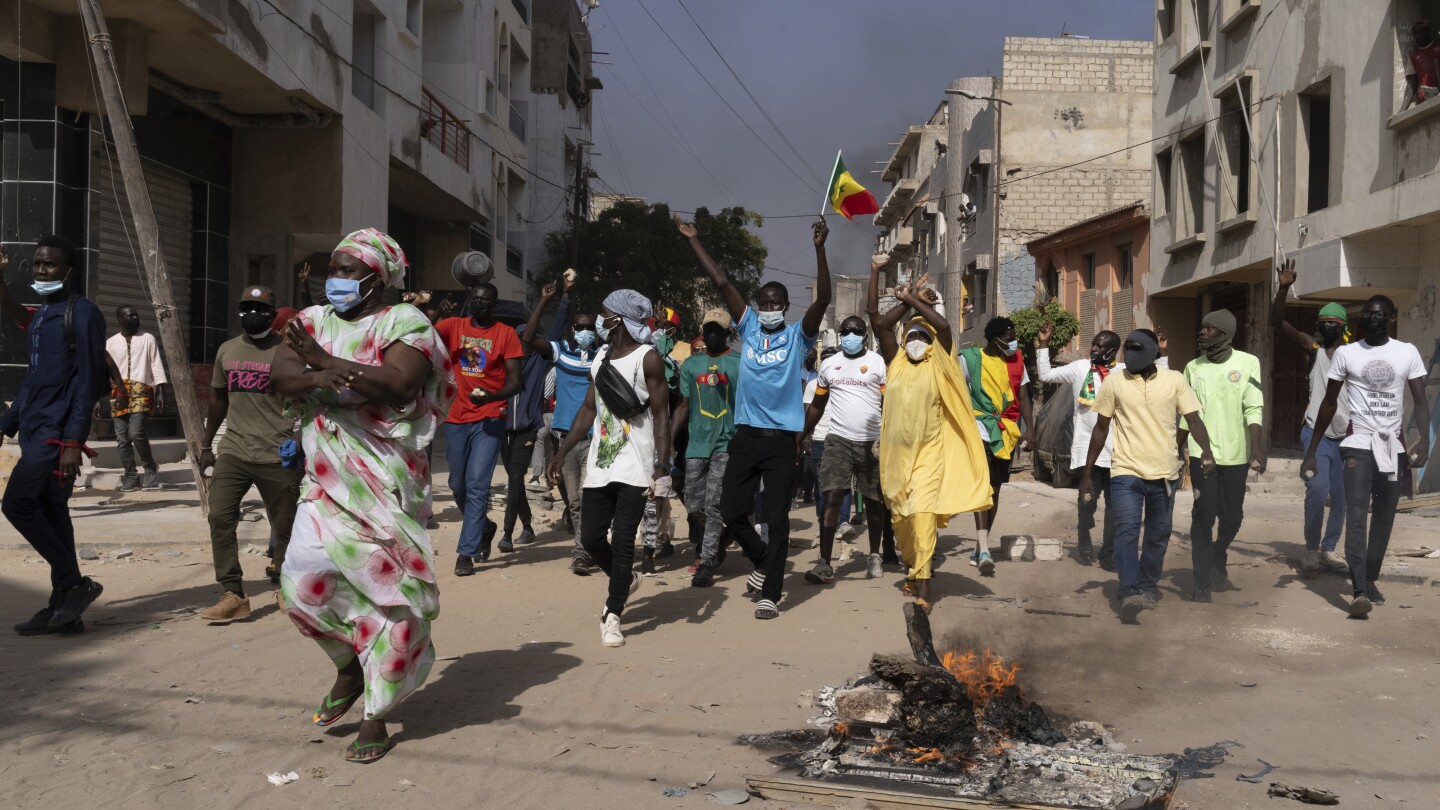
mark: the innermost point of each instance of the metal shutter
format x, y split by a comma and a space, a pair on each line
121, 278
1087, 319
1122, 312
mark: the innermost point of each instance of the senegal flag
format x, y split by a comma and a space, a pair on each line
846, 196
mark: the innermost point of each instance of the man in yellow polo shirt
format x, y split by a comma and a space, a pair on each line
1143, 402
1232, 406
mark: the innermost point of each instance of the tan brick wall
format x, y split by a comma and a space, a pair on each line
1074, 65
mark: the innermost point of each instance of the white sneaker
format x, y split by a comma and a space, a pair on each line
874, 567
1333, 561
610, 634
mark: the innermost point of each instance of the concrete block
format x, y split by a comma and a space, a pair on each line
867, 705
1026, 548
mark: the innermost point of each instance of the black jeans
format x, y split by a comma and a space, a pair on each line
616, 508
515, 453
37, 504
758, 455
1100, 478
1220, 496
1368, 491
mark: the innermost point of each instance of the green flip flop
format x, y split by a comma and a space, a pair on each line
355, 752
326, 704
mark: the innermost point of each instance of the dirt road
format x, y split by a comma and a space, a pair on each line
152, 707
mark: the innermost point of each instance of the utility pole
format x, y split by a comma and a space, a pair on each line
577, 215
172, 338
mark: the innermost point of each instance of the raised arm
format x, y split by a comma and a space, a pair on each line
733, 301
815, 315
1283, 328
923, 299
883, 325
531, 337
1048, 373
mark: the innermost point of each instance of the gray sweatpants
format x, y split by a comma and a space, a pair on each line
572, 473
703, 477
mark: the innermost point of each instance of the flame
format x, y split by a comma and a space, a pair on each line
839, 729
985, 676
923, 755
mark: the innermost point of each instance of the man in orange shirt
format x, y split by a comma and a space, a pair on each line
486, 356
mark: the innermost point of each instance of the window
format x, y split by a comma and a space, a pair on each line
1052, 281
362, 59
1234, 132
1205, 12
976, 186
1165, 19
1165, 201
1419, 64
1190, 215
1313, 151
412, 16
979, 288
481, 240
1125, 267
1087, 271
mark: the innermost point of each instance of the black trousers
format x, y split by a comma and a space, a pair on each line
37, 504
1368, 493
618, 509
1218, 497
758, 455
515, 453
1100, 478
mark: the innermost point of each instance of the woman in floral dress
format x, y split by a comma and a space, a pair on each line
370, 383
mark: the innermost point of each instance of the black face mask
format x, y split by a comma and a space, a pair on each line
1376, 325
716, 342
133, 324
256, 322
1331, 333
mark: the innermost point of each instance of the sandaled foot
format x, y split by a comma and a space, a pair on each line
331, 708
370, 745
924, 605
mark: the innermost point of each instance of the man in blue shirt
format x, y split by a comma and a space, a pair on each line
52, 414
769, 414
572, 355
524, 418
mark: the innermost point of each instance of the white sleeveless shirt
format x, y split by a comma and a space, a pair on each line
621, 451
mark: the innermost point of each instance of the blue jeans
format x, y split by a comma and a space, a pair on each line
471, 449
1140, 564
1329, 482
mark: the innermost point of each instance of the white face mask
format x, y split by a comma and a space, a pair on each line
1012, 347
770, 320
917, 349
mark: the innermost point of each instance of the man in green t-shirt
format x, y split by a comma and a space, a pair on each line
1232, 406
255, 426
707, 383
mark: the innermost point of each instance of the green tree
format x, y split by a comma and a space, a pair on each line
635, 245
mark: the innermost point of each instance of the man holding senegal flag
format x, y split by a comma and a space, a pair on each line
846, 196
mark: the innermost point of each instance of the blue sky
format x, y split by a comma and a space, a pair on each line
833, 74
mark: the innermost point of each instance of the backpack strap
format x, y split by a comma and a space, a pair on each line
70, 326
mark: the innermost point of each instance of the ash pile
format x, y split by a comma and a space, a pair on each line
959, 725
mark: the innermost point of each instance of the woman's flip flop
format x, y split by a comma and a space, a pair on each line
326, 704
355, 752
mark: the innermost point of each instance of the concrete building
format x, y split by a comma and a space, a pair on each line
1097, 269
1286, 128
268, 131
1038, 149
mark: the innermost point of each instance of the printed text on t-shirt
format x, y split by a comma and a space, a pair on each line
247, 377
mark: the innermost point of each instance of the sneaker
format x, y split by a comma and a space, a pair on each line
128, 483
273, 573
1131, 606
527, 537
39, 625
231, 607
754, 583
1333, 561
580, 566
1310, 562
76, 600
846, 530
821, 574
1149, 600
464, 566
765, 609
152, 480
647, 563
975, 557
874, 567
1373, 594
986, 564
506, 545
704, 575
664, 549
890, 558
1201, 595
1360, 607
610, 634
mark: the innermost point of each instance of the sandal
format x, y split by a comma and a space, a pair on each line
355, 752
909, 588
924, 605
326, 704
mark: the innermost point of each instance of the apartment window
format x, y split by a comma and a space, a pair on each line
1234, 131
1313, 151
1165, 19
362, 59
412, 16
1087, 271
1205, 13
1416, 63
1052, 282
1165, 201
976, 182
481, 240
1125, 267
1190, 216
979, 288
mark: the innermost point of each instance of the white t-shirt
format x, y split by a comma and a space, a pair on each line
621, 451
1375, 379
1074, 374
822, 427
855, 385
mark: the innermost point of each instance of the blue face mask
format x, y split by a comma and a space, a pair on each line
771, 320
47, 288
852, 344
584, 338
344, 293
1011, 348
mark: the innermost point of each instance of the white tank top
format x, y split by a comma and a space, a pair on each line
621, 451
1319, 381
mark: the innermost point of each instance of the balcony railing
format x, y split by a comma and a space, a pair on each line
440, 127
517, 119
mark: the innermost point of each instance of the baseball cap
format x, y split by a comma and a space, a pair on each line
258, 293
716, 316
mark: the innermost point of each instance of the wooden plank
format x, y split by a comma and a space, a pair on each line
836, 794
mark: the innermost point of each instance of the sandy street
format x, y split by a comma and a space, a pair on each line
151, 707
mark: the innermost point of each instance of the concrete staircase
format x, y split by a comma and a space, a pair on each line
1281, 478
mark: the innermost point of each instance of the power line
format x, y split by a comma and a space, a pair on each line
614, 145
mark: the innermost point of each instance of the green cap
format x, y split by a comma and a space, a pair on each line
1334, 312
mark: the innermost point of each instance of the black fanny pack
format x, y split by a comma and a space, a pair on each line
617, 392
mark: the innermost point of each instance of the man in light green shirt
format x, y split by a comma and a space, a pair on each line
1232, 406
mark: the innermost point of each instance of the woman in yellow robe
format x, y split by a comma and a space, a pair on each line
932, 464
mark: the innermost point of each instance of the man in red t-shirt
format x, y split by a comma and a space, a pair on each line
486, 356
1423, 76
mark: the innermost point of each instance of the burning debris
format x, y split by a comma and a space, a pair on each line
958, 726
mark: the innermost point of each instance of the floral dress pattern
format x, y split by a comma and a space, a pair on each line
359, 576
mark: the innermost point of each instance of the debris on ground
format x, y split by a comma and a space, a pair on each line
675, 792
1255, 779
277, 779
730, 797
1300, 793
122, 553
88, 554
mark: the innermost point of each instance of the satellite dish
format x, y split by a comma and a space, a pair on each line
472, 268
